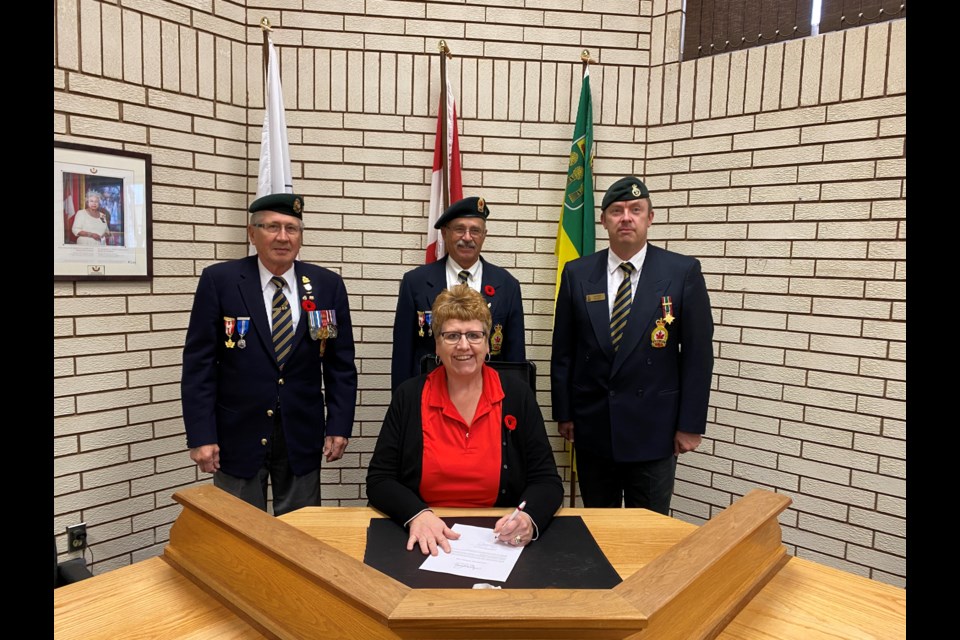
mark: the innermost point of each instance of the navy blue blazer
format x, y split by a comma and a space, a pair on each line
420, 287
627, 405
229, 395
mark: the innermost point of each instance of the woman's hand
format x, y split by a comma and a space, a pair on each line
518, 532
429, 531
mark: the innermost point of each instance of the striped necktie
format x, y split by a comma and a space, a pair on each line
463, 276
282, 323
621, 306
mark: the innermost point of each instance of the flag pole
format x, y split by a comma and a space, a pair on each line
444, 54
266, 29
586, 60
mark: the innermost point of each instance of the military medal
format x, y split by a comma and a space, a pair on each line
421, 318
658, 339
333, 328
328, 324
243, 326
323, 346
228, 326
496, 340
313, 320
427, 314
667, 303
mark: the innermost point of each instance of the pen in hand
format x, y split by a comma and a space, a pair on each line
512, 517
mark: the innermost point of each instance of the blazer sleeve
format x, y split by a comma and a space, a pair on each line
393, 473
198, 381
340, 369
563, 350
696, 352
402, 366
544, 489
515, 340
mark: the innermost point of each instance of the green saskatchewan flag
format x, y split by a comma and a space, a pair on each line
575, 233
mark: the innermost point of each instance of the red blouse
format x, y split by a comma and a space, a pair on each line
461, 464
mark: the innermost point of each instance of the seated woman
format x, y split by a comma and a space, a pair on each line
462, 436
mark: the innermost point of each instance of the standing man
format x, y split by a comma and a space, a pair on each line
464, 228
269, 340
632, 358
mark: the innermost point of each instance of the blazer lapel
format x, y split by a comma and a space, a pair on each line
490, 279
435, 281
252, 294
595, 288
301, 329
646, 304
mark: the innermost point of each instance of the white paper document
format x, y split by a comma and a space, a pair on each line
475, 555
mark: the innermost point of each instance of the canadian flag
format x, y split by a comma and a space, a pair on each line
72, 191
451, 146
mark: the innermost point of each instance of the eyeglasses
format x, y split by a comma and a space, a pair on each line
461, 230
274, 228
453, 337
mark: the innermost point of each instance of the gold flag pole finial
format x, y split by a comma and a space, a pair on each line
444, 49
265, 24
585, 57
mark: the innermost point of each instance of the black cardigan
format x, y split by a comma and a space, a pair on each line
528, 472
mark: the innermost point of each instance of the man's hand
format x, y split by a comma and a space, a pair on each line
683, 442
566, 429
207, 457
333, 447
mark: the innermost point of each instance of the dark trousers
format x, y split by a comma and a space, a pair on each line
290, 492
606, 483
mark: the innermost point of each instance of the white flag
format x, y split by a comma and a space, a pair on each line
275, 174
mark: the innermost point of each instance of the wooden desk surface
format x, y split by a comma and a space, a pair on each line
804, 601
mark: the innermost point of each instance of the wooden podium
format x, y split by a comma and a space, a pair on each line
233, 571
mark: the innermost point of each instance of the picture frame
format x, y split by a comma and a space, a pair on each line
102, 224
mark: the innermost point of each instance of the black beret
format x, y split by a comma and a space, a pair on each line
287, 203
628, 188
472, 207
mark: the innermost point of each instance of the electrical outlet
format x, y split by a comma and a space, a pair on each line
77, 537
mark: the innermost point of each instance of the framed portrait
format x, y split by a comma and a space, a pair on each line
101, 214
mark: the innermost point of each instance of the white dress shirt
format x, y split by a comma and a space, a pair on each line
474, 279
290, 291
615, 275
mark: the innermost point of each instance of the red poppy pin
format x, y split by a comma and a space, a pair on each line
489, 290
510, 421
308, 305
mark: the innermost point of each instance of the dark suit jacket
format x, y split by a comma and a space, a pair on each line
227, 393
420, 287
529, 471
627, 405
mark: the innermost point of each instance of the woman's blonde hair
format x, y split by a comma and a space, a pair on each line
459, 303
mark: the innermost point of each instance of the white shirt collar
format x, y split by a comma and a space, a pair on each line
290, 276
454, 269
613, 260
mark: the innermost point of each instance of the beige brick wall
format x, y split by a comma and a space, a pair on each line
782, 168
